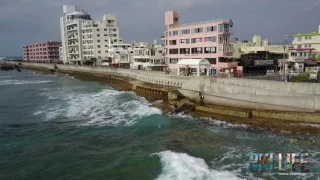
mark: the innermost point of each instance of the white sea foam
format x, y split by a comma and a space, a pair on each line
311, 125
211, 121
20, 82
104, 108
181, 166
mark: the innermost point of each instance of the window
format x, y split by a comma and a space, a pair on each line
105, 29
184, 50
212, 60
211, 28
99, 57
221, 26
174, 33
99, 52
299, 46
105, 34
299, 38
306, 37
98, 35
184, 41
210, 39
209, 50
196, 40
306, 45
170, 33
98, 46
310, 37
197, 30
173, 51
105, 40
98, 40
172, 42
186, 31
197, 50
98, 29
309, 45
173, 60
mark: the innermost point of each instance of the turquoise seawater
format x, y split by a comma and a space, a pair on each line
58, 127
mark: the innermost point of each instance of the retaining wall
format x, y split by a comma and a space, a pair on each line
254, 94
156, 78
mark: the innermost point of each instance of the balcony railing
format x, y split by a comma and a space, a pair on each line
297, 59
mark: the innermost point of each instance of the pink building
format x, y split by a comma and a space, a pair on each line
203, 40
42, 52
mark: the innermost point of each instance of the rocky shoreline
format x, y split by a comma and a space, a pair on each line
259, 125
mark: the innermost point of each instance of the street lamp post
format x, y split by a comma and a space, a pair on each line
284, 56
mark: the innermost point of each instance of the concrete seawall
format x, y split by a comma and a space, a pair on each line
255, 94
242, 93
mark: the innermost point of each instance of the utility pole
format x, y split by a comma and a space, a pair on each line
284, 56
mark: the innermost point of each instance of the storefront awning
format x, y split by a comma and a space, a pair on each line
310, 62
193, 62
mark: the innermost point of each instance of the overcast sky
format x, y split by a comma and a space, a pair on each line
29, 21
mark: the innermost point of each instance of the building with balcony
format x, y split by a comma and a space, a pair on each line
118, 55
61, 54
148, 56
306, 47
42, 52
84, 38
202, 40
257, 45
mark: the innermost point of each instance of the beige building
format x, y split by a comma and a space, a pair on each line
257, 44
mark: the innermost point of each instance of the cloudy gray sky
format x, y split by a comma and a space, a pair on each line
29, 21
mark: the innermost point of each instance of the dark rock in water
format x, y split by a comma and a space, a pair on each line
52, 70
9, 67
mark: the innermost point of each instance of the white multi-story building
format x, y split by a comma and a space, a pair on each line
60, 53
83, 38
118, 55
148, 56
306, 47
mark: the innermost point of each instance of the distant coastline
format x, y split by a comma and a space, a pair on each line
12, 57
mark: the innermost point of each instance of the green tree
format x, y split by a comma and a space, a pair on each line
94, 61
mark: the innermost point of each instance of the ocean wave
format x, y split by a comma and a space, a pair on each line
181, 166
21, 82
213, 122
104, 108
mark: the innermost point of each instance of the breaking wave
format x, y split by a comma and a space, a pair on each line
20, 82
181, 166
213, 122
106, 107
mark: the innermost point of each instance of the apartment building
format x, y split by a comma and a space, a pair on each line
201, 40
118, 55
84, 38
148, 56
42, 52
306, 47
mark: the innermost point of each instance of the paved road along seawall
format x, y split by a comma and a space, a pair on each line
234, 92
